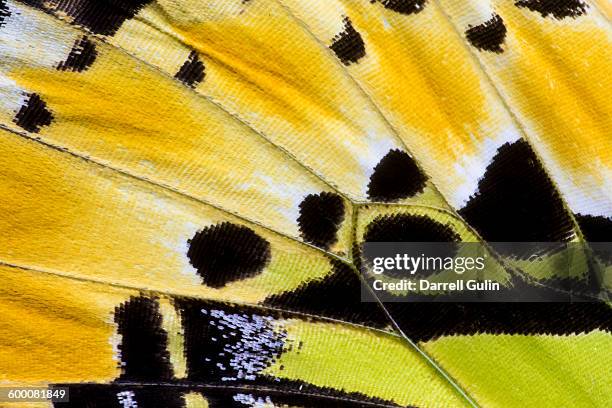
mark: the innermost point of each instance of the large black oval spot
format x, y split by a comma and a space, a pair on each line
396, 176
409, 228
320, 217
348, 44
412, 228
403, 6
516, 200
228, 252
559, 9
488, 36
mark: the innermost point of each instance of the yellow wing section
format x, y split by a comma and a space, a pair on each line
122, 113
552, 70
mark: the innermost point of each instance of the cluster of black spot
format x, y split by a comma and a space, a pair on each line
99, 16
320, 217
403, 6
348, 44
559, 9
488, 36
143, 347
82, 55
227, 252
516, 200
33, 114
191, 72
396, 176
5, 13
337, 296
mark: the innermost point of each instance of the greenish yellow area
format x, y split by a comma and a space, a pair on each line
530, 371
357, 359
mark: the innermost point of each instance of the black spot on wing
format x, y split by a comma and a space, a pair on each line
320, 216
82, 55
403, 6
33, 114
559, 9
396, 176
191, 72
337, 296
5, 13
227, 252
516, 200
348, 44
99, 16
488, 36
408, 228
143, 341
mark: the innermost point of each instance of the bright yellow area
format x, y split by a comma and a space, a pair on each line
64, 215
557, 74
133, 117
534, 371
283, 82
356, 359
554, 76
56, 330
426, 83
